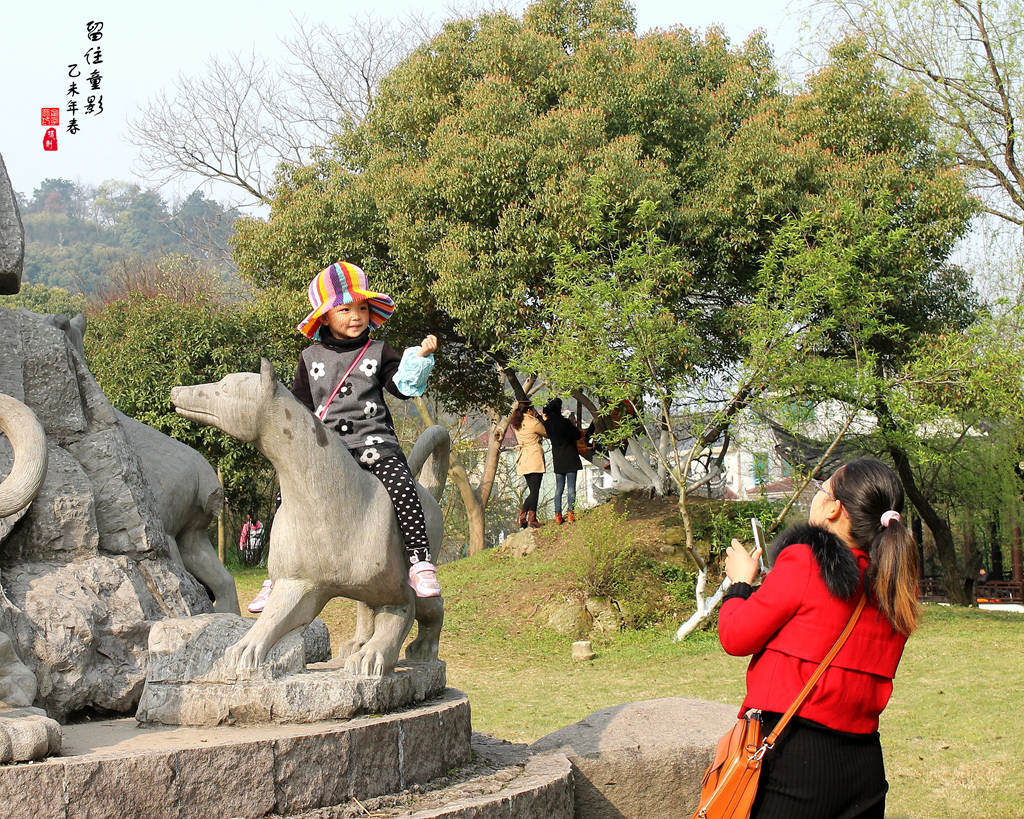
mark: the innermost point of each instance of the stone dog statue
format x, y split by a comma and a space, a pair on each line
335, 534
186, 489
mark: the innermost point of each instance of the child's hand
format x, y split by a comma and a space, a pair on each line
428, 345
739, 566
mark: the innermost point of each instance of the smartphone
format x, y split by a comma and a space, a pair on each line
755, 527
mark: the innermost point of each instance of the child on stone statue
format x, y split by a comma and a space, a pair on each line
341, 378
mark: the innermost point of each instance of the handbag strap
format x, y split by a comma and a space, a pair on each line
344, 378
774, 735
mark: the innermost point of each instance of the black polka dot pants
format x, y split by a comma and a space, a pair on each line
394, 473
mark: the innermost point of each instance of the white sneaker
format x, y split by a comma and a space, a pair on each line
423, 579
260, 600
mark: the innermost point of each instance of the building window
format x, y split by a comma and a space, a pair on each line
760, 468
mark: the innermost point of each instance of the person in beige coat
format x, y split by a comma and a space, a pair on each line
529, 429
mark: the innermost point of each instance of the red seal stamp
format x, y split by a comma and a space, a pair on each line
50, 140
50, 116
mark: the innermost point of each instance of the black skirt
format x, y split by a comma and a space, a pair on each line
814, 772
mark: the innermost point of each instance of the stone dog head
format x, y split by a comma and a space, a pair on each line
237, 404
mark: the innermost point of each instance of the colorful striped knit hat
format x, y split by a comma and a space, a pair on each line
343, 283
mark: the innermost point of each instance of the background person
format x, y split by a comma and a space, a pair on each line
526, 424
565, 457
250, 541
828, 760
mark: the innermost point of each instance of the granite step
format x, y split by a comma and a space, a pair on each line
504, 781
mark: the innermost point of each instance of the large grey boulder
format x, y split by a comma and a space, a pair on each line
12, 236
17, 682
86, 568
641, 759
188, 498
187, 491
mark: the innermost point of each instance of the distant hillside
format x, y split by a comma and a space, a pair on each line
78, 237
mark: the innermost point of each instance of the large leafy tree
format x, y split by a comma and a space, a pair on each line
140, 346
481, 152
928, 394
486, 150
853, 306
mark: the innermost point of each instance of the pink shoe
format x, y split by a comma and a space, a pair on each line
260, 600
423, 579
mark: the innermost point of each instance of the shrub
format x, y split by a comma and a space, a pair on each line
716, 523
605, 562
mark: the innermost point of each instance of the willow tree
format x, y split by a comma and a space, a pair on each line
853, 304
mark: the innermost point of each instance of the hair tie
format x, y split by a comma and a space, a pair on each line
889, 517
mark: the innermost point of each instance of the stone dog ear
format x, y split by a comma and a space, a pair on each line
268, 381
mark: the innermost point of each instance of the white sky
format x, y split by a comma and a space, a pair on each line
144, 46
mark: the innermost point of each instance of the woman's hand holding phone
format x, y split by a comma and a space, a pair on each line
741, 567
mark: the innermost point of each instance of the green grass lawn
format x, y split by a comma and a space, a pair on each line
952, 734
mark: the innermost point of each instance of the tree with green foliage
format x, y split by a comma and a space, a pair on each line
853, 302
57, 196
80, 238
45, 300
923, 377
139, 347
476, 162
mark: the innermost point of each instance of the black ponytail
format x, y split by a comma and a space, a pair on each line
868, 489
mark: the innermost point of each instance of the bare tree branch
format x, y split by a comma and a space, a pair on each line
968, 58
242, 117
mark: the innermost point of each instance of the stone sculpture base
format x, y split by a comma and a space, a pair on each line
321, 692
188, 682
117, 768
634, 761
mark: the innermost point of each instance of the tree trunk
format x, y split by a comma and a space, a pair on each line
474, 508
945, 547
1015, 554
626, 475
221, 534
704, 607
995, 553
918, 531
473, 500
972, 560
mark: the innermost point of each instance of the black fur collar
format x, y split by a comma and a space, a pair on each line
836, 562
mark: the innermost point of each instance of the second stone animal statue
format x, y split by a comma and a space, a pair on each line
187, 491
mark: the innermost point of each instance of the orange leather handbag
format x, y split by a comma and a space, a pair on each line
729, 785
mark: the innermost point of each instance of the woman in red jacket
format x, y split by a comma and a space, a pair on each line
828, 762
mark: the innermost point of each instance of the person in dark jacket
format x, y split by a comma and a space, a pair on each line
828, 761
565, 458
